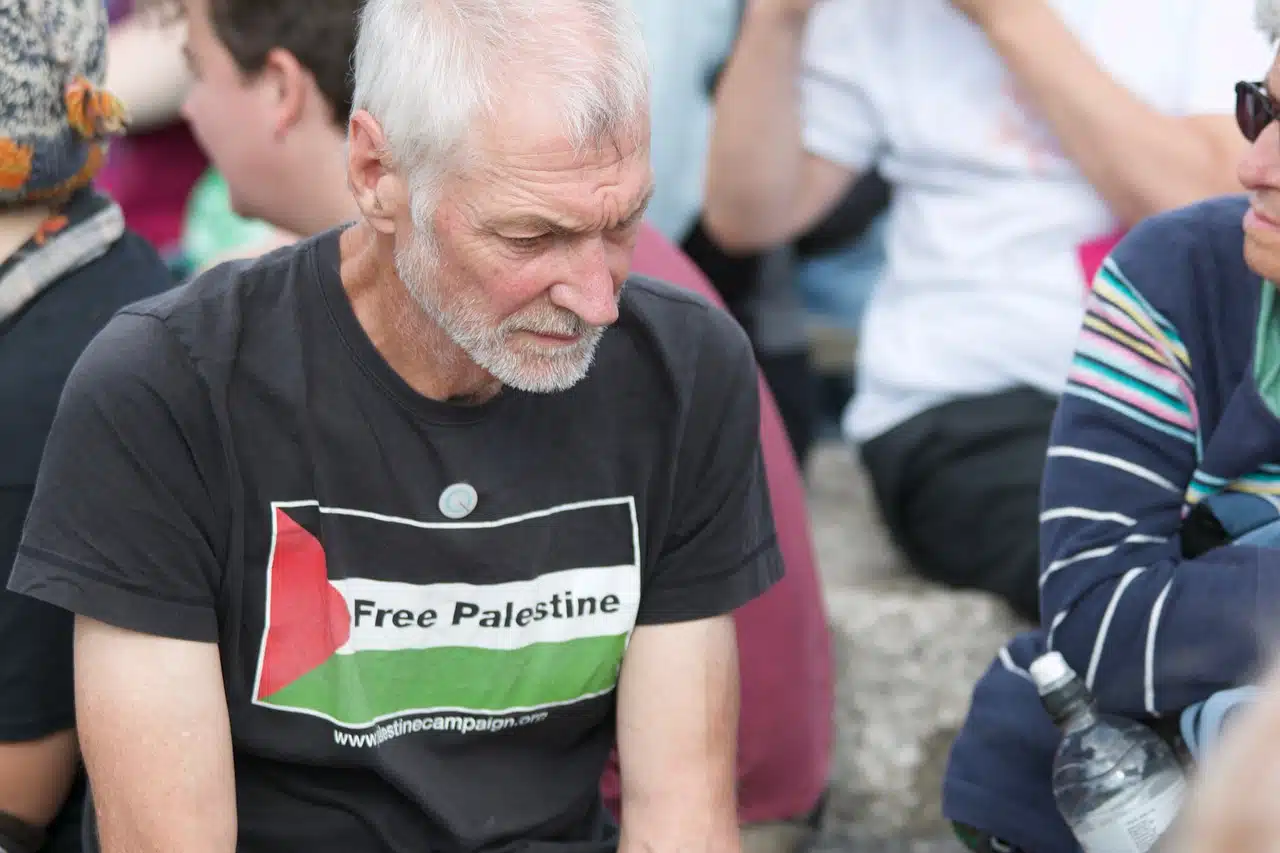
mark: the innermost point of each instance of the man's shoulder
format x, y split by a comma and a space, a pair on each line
667, 308
211, 315
171, 338
225, 286
683, 329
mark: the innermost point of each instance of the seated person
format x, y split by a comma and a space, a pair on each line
1015, 134
785, 730
1160, 579
384, 524
67, 263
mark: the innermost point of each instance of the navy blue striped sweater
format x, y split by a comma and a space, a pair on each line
1160, 412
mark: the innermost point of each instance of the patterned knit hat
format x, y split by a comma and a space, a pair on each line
54, 122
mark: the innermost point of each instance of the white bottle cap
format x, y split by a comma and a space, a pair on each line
1050, 671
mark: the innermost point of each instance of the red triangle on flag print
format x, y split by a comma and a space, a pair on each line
307, 618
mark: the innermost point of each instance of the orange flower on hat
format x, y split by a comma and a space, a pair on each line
15, 165
93, 112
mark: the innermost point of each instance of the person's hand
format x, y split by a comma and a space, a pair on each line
1235, 799
793, 11
985, 12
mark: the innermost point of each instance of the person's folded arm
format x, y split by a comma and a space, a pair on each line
1151, 632
156, 739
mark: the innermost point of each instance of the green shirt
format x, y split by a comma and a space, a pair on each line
212, 228
1266, 350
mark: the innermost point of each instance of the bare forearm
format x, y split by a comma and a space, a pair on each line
676, 747
757, 154
723, 840
145, 69
688, 812
156, 739
189, 829
162, 793
1138, 159
186, 803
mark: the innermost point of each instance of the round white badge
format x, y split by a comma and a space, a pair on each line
458, 500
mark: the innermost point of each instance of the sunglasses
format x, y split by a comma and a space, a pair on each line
1255, 109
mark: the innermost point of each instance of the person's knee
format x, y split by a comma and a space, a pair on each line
981, 542
776, 837
977, 841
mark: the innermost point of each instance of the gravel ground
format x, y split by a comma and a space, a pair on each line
840, 842
907, 655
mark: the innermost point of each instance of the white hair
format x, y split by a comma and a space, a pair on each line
1267, 16
429, 70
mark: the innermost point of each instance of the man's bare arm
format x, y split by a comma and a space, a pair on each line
1138, 159
763, 188
153, 724
677, 738
146, 70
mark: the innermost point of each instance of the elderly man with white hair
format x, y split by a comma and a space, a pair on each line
1160, 529
375, 543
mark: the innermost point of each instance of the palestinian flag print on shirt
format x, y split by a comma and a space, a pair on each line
408, 637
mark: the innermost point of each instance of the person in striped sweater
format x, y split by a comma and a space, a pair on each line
1160, 568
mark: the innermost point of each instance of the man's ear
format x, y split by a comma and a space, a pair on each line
379, 192
290, 86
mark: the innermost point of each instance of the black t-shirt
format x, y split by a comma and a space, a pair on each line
38, 348
421, 607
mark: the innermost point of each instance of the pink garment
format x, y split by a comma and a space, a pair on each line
784, 734
151, 176
1093, 253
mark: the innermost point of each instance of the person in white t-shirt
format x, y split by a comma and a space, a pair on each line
1020, 137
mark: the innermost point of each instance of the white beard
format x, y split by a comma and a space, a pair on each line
518, 364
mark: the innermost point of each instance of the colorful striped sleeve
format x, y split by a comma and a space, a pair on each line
1152, 632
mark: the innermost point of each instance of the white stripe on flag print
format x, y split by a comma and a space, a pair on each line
552, 608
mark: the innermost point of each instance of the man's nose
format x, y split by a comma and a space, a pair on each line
588, 288
1260, 167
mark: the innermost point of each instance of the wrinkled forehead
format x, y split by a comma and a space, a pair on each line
531, 147
558, 190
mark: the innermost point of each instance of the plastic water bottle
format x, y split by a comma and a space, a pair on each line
1117, 784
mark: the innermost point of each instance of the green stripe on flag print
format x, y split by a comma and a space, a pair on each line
366, 687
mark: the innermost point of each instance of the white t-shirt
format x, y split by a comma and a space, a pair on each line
983, 288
